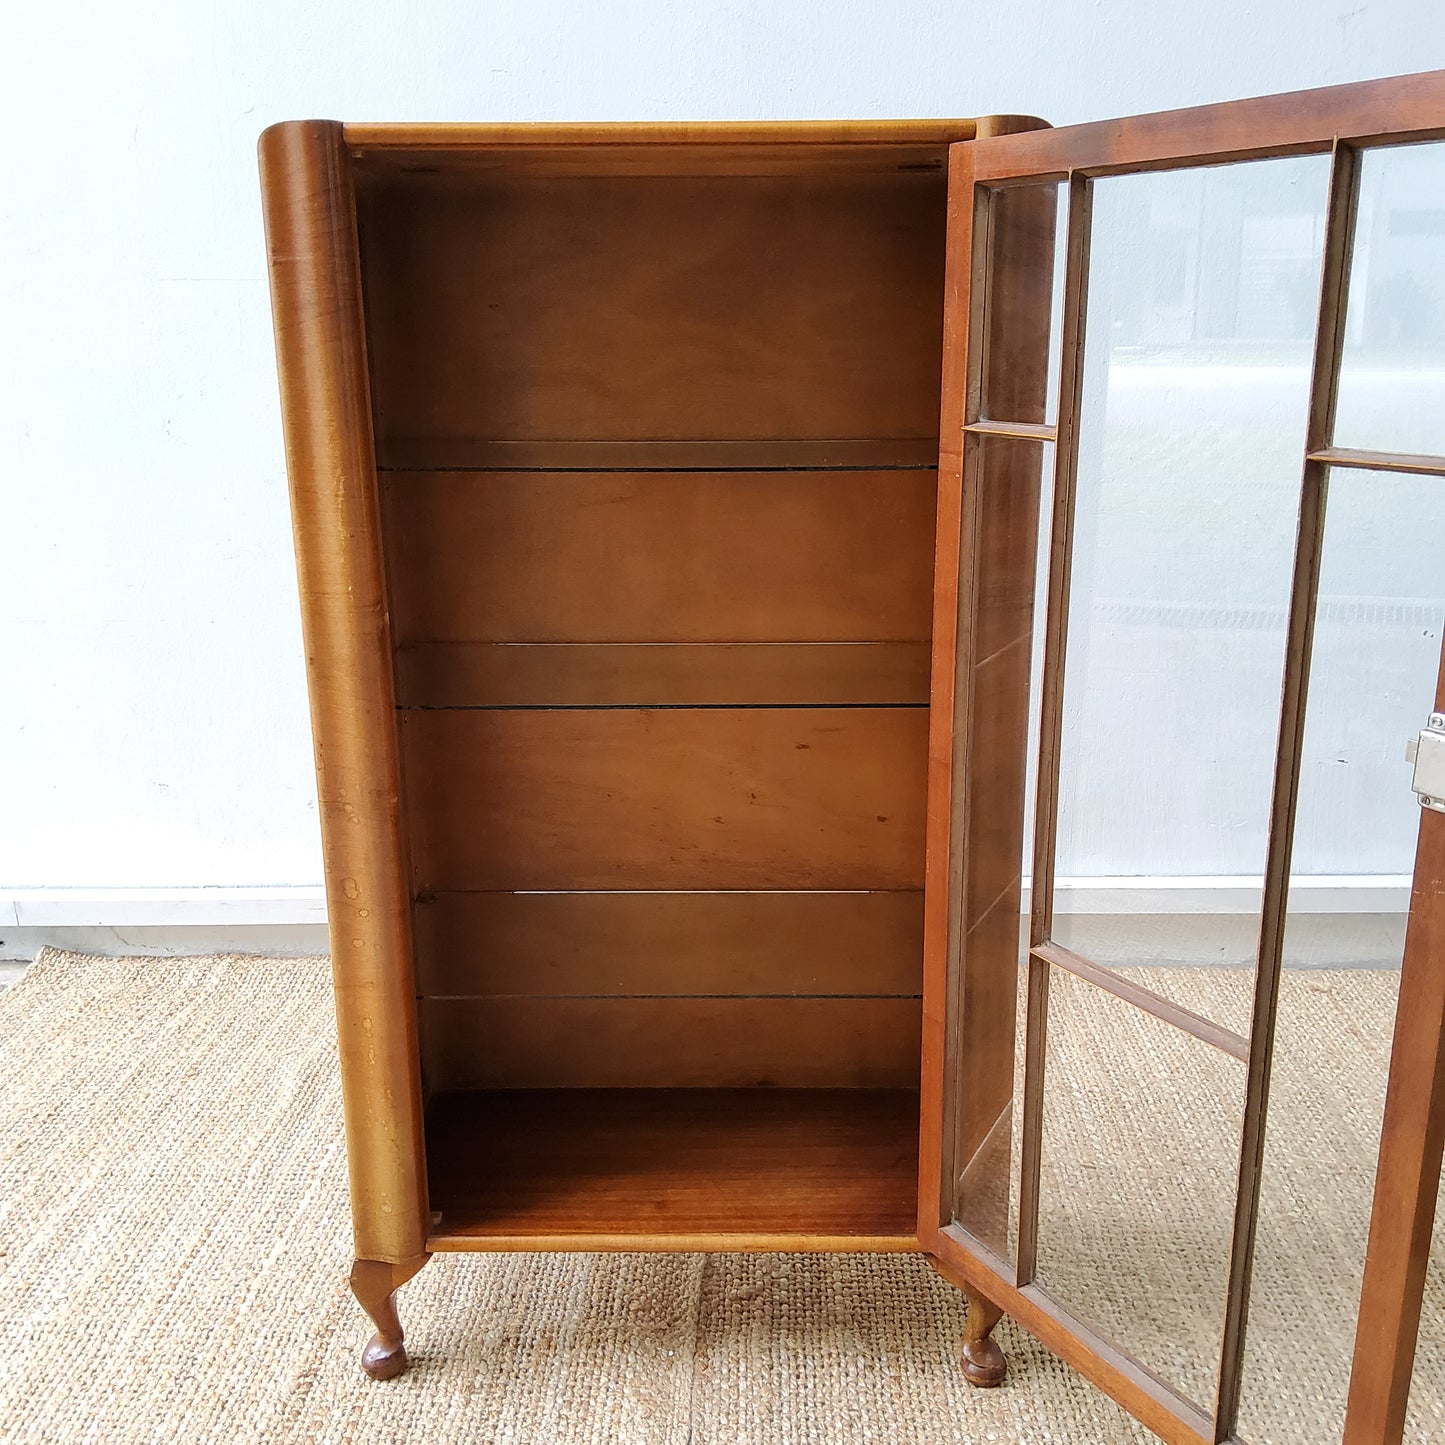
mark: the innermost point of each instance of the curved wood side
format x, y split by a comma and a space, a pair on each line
321, 356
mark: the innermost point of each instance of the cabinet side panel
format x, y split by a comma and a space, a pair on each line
315, 296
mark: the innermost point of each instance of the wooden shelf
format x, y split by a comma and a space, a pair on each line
668, 1169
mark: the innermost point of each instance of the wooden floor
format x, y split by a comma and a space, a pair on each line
693, 1169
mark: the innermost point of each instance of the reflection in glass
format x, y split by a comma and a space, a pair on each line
1372, 683
1012, 589
1392, 378
1198, 350
1027, 240
1056, 305
1140, 1151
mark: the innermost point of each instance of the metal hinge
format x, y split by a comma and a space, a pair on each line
1427, 752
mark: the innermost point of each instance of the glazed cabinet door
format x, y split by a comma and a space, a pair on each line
1183, 1093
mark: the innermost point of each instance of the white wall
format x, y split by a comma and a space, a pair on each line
153, 726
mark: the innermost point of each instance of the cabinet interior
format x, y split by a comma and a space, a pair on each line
656, 430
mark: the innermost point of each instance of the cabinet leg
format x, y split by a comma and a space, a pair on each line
983, 1361
374, 1282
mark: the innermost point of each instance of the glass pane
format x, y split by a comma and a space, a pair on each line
1017, 487
1372, 684
1021, 338
1196, 381
1056, 306
1140, 1152
1392, 379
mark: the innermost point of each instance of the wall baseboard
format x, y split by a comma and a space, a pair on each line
169, 922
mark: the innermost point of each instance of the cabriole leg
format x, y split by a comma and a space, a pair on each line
983, 1361
374, 1282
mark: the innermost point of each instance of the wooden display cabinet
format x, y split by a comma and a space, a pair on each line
669, 673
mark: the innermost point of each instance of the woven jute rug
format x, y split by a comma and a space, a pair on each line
174, 1244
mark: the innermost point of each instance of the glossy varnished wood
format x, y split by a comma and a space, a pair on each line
1375, 112
828, 798
684, 308
1339, 241
696, 455
316, 302
1407, 1180
1407, 107
652, 557
1412, 464
660, 1042
978, 1272
709, 300
1128, 989
375, 1282
983, 1361
652, 674
709, 136
677, 944
989, 490
675, 1169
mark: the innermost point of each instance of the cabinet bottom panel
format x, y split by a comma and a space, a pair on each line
674, 1169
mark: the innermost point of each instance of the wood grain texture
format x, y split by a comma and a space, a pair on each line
1020, 264
645, 161
828, 798
315, 298
697, 455
669, 943
1329, 341
989, 492
712, 674
652, 1043
1175, 1420
937, 1169
684, 308
778, 556
675, 1169
798, 148
1412, 464
707, 136
1073, 329
1412, 1143
1122, 986
1408, 107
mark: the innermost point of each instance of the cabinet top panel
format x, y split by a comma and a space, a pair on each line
481, 134
689, 148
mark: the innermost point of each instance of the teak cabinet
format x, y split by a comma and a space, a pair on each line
666, 504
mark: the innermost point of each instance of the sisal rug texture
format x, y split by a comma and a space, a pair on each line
174, 1241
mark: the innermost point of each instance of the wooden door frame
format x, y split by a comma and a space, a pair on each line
969, 1039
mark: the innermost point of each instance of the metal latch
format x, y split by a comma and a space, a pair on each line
1427, 752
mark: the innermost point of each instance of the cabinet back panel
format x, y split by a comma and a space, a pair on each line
668, 308
619, 1043
619, 674
779, 556
657, 510
616, 944
828, 798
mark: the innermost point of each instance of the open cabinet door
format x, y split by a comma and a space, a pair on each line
1193, 366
